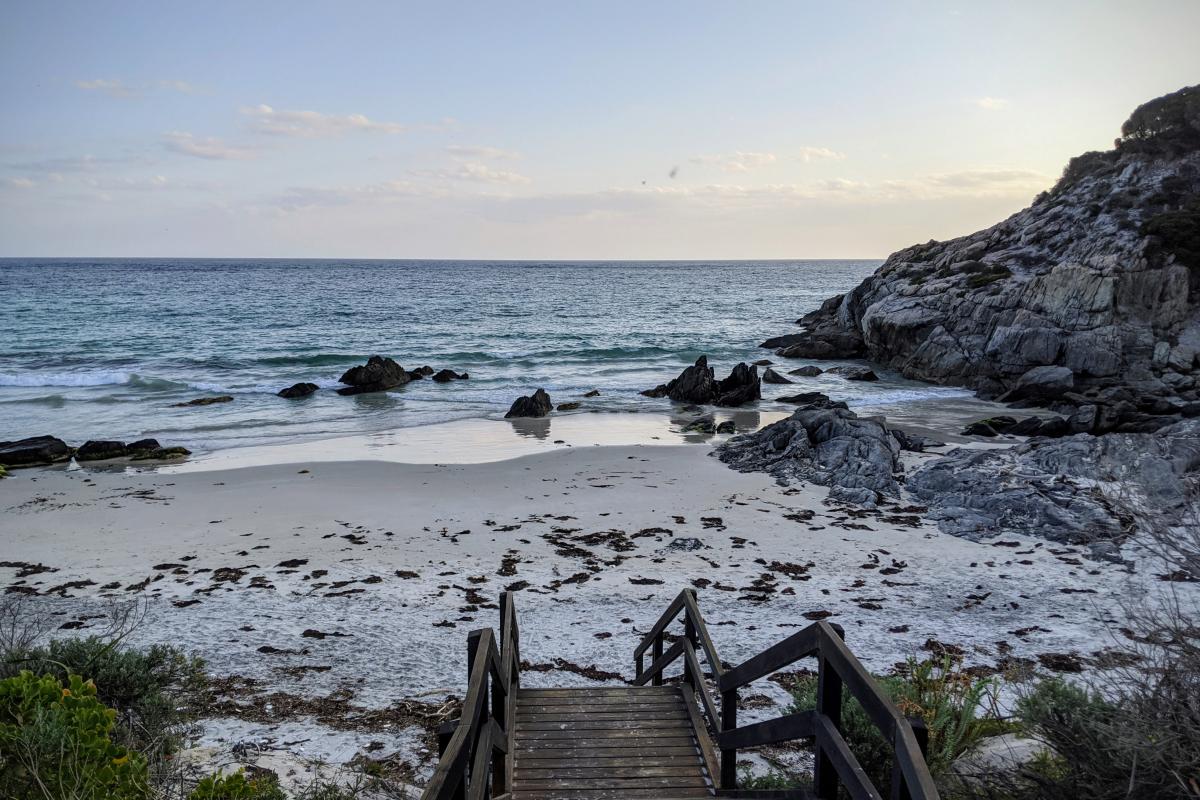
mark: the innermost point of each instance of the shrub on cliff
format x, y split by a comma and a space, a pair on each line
1175, 113
55, 744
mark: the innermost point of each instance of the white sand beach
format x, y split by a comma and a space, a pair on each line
359, 579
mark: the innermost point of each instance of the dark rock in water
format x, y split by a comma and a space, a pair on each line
702, 425
806, 372
771, 376
299, 390
424, 371
96, 450
1075, 489
698, 384
162, 454
726, 427
812, 400
592, 393
377, 375
447, 375
783, 341
535, 405
827, 446
568, 406
205, 401
763, 362
414, 375
34, 451
142, 446
854, 373
1026, 427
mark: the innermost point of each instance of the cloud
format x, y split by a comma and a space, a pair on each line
736, 161
313, 124
209, 148
474, 171
991, 103
807, 154
494, 153
112, 88
182, 87
153, 183
75, 164
19, 183
297, 198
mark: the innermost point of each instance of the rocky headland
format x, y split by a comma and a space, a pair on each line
1086, 303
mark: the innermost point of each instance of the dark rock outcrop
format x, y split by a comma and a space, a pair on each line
698, 384
592, 393
571, 406
809, 371
34, 452
142, 446
100, 450
298, 390
377, 375
812, 400
771, 376
447, 375
536, 405
1077, 489
161, 454
858, 458
1095, 285
854, 373
205, 401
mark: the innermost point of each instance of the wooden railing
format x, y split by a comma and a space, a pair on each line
837, 669
476, 751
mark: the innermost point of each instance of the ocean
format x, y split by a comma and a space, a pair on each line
103, 348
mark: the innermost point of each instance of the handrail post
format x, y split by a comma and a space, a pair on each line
829, 703
655, 654
729, 702
900, 788
473, 655
689, 633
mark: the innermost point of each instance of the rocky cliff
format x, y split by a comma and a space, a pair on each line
1090, 296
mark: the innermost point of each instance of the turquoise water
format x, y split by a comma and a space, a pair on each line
103, 348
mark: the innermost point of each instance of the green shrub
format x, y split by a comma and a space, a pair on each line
236, 786
150, 690
939, 692
55, 744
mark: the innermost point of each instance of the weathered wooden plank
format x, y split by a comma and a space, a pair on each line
628, 706
597, 691
533, 751
581, 759
635, 732
575, 741
612, 794
658, 726
681, 781
569, 771
604, 712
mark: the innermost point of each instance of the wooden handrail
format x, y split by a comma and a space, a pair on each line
838, 669
476, 757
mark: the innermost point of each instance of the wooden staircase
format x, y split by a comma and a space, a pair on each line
661, 740
606, 743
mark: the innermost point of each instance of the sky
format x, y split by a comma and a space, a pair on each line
556, 130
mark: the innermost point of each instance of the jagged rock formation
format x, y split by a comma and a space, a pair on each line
1093, 287
536, 405
698, 384
377, 375
34, 451
298, 390
1079, 489
826, 445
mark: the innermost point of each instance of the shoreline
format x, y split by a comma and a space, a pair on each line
350, 579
